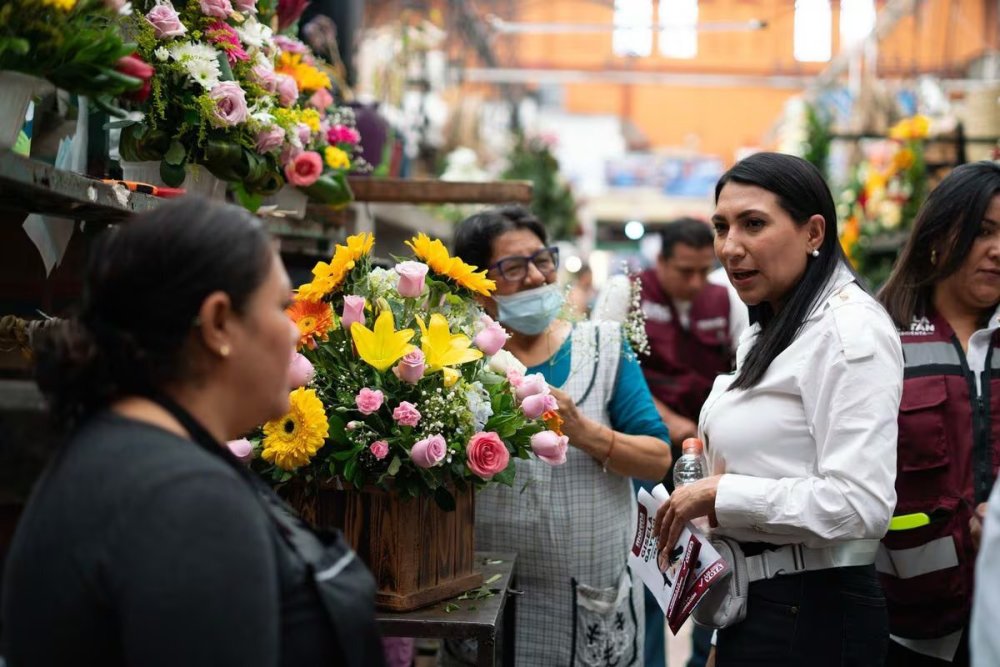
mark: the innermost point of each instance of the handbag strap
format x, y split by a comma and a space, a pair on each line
795, 558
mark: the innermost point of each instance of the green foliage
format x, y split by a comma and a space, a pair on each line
818, 138
553, 202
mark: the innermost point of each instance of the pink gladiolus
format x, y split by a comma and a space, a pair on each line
411, 367
354, 311
531, 385
411, 278
492, 337
406, 414
341, 134
369, 401
300, 372
321, 100
288, 90
230, 104
550, 447
165, 22
536, 405
429, 452
304, 169
486, 454
218, 8
270, 139
379, 449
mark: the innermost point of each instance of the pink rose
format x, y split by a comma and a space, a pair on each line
369, 401
341, 134
289, 44
246, 6
515, 377
492, 337
300, 372
270, 139
218, 8
321, 100
536, 405
379, 449
411, 367
486, 455
288, 90
241, 449
304, 169
531, 385
289, 153
304, 133
263, 75
411, 278
354, 311
230, 104
550, 447
165, 22
406, 414
429, 452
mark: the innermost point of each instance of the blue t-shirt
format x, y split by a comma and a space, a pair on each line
631, 407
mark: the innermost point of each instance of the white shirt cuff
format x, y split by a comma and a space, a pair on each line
741, 501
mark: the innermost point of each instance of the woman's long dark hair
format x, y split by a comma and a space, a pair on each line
946, 224
802, 193
474, 236
145, 282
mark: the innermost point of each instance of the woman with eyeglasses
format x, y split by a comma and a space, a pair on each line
569, 524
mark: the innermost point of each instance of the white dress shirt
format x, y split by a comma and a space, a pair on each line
809, 454
984, 641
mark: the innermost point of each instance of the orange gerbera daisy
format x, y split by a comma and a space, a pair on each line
314, 320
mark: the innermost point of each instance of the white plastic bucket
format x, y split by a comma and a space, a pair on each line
18, 90
197, 179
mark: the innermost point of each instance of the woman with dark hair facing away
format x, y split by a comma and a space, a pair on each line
943, 294
145, 542
571, 524
801, 437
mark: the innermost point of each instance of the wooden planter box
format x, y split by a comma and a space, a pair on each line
419, 553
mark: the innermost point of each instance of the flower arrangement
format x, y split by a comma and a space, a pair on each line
403, 382
252, 107
884, 196
75, 44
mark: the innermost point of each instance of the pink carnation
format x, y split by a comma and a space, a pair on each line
341, 134
304, 169
379, 449
369, 401
406, 414
226, 38
486, 455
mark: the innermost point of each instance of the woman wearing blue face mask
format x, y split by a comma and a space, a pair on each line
571, 524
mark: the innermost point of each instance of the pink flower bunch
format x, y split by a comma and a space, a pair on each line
342, 134
226, 38
533, 394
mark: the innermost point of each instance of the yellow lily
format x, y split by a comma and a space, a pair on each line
442, 348
382, 347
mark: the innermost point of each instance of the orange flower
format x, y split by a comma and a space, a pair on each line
553, 421
314, 320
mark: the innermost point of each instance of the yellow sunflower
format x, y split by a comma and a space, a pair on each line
360, 245
327, 276
308, 78
435, 255
313, 318
292, 441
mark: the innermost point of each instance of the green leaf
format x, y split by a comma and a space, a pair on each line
176, 155
172, 175
394, 466
337, 431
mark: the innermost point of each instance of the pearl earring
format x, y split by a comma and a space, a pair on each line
815, 252
224, 350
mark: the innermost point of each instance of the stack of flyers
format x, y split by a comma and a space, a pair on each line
692, 564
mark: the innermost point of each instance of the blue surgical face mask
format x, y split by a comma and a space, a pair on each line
531, 311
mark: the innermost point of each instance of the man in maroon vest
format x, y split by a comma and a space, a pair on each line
689, 326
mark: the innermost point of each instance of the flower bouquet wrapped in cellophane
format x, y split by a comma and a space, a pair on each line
405, 385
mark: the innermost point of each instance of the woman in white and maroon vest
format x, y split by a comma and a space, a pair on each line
943, 295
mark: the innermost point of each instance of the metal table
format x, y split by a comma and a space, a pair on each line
469, 618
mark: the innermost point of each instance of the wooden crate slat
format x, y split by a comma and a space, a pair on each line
428, 191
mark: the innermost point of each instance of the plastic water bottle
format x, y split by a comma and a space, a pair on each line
690, 467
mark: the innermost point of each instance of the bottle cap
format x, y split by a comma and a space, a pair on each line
692, 444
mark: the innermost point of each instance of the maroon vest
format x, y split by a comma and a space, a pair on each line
947, 459
683, 363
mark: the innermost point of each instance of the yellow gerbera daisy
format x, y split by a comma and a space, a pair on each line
336, 158
308, 78
313, 318
292, 441
435, 255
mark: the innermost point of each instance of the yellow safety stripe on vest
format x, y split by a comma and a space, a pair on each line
909, 521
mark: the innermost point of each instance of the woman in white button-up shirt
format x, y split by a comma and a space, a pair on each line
802, 436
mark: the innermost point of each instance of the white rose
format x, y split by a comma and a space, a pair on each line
503, 361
